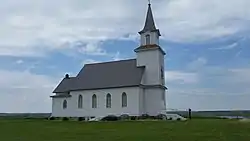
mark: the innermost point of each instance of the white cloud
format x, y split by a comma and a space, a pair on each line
19, 61
198, 63
25, 92
199, 20
89, 61
181, 77
240, 75
228, 47
211, 89
92, 48
28, 25
202, 99
117, 56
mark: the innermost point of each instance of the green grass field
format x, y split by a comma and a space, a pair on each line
194, 130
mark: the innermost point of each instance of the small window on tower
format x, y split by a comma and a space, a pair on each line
147, 39
162, 73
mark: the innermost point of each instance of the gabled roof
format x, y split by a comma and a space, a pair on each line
149, 23
64, 85
114, 74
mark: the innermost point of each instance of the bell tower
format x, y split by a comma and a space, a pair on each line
150, 55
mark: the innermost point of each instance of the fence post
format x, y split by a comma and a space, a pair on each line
189, 113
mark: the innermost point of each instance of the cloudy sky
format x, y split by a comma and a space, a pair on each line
207, 45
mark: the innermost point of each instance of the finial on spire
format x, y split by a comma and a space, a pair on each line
149, 2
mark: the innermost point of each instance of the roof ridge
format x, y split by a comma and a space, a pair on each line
107, 62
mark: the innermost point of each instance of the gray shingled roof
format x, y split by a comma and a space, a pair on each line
114, 74
149, 23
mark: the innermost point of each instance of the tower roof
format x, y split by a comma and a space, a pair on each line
149, 23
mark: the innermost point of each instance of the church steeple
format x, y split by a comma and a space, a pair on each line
149, 25
150, 55
149, 34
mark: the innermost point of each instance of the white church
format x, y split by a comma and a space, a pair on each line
134, 86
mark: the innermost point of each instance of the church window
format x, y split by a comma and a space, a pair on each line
108, 101
94, 101
147, 39
162, 72
80, 101
64, 104
124, 99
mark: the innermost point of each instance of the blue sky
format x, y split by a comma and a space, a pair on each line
207, 46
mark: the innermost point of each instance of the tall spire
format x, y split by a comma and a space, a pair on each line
149, 23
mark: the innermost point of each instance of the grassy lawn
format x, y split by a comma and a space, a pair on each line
195, 130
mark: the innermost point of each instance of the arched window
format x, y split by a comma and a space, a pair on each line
108, 101
94, 101
147, 39
124, 99
64, 104
80, 101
